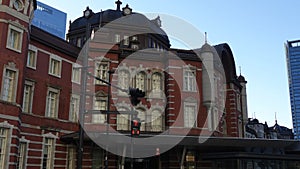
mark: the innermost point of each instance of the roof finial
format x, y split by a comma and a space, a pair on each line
275, 117
205, 37
240, 70
118, 2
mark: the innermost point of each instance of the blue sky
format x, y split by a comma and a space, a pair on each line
255, 30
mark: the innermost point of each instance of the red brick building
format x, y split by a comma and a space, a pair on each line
40, 94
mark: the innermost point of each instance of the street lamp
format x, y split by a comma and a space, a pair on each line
87, 14
108, 114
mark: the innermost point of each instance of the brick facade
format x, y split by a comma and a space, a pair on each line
34, 127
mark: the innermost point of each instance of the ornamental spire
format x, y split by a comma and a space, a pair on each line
118, 2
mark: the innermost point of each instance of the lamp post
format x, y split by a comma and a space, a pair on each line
108, 115
82, 108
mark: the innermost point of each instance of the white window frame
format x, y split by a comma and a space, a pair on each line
14, 85
8, 42
139, 81
186, 113
54, 114
79, 42
30, 98
71, 157
104, 76
23, 153
74, 112
155, 126
55, 58
51, 153
157, 92
34, 50
122, 82
117, 38
6, 146
189, 81
76, 73
99, 118
123, 120
126, 40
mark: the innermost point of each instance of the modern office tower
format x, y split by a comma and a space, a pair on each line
293, 66
50, 20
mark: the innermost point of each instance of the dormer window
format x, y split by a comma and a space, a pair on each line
135, 47
134, 38
117, 38
126, 40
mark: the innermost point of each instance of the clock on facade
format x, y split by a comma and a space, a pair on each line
127, 10
87, 12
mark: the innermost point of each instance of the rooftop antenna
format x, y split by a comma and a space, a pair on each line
205, 37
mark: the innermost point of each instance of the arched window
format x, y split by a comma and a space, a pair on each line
157, 84
140, 81
101, 71
123, 80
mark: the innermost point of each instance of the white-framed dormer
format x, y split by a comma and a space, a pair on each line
55, 65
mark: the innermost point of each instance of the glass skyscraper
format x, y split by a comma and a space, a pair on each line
50, 19
293, 66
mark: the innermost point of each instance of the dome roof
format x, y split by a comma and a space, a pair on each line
206, 48
242, 78
107, 16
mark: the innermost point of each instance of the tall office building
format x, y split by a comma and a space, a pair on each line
293, 66
50, 20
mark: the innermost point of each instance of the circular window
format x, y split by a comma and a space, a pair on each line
18, 5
